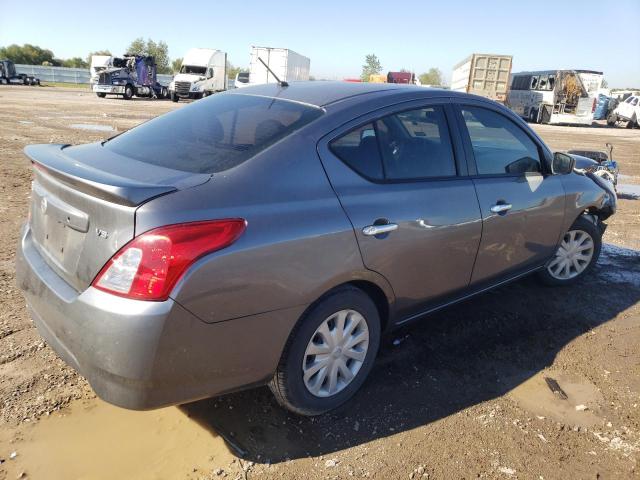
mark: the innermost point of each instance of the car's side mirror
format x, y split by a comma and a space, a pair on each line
562, 163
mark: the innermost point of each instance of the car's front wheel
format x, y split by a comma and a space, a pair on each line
329, 354
576, 255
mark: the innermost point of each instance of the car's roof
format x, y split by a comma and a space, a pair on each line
323, 93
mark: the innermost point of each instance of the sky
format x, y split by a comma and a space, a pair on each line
336, 35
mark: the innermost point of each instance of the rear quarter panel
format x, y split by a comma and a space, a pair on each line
298, 243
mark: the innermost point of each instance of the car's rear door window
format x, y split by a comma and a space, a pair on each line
410, 145
359, 150
215, 134
416, 144
499, 145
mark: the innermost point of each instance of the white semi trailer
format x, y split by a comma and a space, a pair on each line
203, 72
286, 64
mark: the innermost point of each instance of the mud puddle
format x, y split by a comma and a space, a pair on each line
93, 440
93, 127
572, 401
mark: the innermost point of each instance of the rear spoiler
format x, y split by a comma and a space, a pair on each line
51, 160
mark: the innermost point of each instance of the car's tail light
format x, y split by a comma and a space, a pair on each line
593, 107
148, 267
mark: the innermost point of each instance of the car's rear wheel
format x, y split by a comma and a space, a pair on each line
101, 95
329, 354
576, 255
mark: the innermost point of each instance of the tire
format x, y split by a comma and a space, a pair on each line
288, 385
612, 119
533, 115
128, 92
101, 95
163, 93
577, 240
174, 97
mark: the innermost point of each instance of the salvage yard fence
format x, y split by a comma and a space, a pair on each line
79, 76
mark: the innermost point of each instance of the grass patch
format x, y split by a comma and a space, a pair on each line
83, 86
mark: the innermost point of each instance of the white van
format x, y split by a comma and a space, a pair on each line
203, 72
555, 96
242, 80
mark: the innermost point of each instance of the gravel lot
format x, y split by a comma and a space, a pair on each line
459, 395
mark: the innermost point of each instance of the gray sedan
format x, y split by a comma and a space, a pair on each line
270, 235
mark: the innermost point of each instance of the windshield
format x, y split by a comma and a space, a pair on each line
215, 134
193, 69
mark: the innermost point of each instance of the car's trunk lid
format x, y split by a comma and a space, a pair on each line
84, 201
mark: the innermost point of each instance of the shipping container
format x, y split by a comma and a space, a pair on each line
375, 78
401, 77
486, 75
287, 65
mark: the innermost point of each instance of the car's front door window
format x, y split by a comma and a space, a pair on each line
499, 146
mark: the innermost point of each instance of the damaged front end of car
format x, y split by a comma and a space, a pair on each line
598, 162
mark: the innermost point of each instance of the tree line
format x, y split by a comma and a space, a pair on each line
33, 55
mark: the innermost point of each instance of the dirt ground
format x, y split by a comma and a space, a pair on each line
461, 394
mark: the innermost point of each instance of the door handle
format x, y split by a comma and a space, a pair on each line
373, 230
501, 208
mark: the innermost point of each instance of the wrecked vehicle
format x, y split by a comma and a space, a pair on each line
129, 76
9, 76
627, 111
599, 163
555, 96
271, 234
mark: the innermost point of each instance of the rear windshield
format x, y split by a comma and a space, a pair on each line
214, 134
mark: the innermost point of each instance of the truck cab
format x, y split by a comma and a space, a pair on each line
132, 75
203, 72
99, 63
8, 75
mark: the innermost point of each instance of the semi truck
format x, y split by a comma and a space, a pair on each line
287, 65
483, 74
203, 72
128, 76
9, 76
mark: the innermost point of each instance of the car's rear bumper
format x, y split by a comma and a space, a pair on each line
143, 355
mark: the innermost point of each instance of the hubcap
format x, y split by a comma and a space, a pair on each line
573, 256
335, 353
